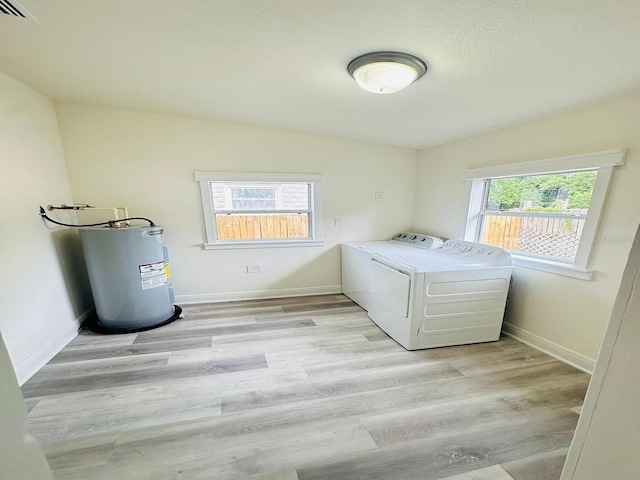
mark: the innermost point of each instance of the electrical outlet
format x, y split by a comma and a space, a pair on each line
254, 269
379, 196
337, 222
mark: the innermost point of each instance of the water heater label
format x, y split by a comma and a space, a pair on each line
153, 275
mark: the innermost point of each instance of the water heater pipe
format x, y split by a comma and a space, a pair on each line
109, 223
84, 206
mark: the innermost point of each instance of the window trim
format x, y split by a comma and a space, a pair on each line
603, 161
315, 216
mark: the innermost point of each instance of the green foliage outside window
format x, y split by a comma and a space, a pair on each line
549, 193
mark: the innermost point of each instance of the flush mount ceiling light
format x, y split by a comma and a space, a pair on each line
386, 72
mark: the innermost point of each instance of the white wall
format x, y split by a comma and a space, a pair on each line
146, 162
20, 455
569, 312
39, 311
605, 444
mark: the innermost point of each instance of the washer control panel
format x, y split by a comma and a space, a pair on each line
418, 240
478, 251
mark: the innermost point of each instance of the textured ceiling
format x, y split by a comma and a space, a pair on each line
282, 63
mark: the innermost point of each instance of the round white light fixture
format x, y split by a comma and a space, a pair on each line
386, 72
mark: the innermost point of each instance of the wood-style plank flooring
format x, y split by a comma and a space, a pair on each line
303, 388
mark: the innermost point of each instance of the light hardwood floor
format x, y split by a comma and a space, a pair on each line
303, 388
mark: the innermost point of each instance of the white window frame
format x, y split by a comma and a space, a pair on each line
315, 218
603, 161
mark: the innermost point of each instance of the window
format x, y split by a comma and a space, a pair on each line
537, 215
546, 212
258, 210
246, 197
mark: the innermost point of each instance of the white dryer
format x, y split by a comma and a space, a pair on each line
452, 295
356, 261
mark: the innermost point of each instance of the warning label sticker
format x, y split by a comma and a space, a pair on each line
153, 275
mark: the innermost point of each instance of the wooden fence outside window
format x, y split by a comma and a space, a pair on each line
549, 237
262, 226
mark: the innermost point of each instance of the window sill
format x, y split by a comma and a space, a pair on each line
552, 267
263, 244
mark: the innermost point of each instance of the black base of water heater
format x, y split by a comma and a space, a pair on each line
93, 324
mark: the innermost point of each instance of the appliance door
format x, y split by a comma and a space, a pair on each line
390, 298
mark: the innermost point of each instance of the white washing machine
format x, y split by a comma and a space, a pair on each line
452, 295
356, 261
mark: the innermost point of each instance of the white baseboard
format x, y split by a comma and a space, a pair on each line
256, 294
38, 359
564, 354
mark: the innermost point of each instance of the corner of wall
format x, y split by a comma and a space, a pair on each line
39, 358
40, 269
